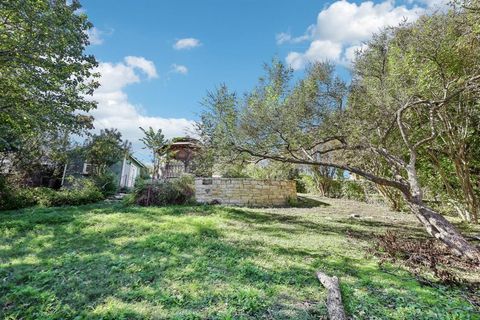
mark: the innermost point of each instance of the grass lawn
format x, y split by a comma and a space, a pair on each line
107, 261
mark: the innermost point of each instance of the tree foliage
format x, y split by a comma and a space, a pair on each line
155, 142
425, 73
45, 75
413, 87
105, 149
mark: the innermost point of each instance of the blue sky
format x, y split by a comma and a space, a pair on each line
236, 39
158, 58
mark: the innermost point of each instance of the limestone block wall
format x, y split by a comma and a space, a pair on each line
244, 191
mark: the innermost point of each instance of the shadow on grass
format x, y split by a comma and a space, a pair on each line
177, 262
73, 265
286, 225
308, 202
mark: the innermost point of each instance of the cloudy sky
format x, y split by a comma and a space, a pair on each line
159, 58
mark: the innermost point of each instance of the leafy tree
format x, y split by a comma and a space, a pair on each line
215, 154
105, 149
393, 108
45, 76
271, 170
154, 141
412, 84
37, 155
202, 163
446, 50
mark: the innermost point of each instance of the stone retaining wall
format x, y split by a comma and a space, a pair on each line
244, 192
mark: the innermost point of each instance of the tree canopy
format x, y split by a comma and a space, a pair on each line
105, 149
415, 91
155, 142
45, 75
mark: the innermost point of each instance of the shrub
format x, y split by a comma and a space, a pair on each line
83, 191
353, 190
333, 188
42, 196
308, 184
14, 198
106, 183
164, 192
129, 199
300, 186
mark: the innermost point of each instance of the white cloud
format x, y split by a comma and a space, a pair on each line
319, 50
283, 37
286, 37
350, 22
114, 109
435, 4
178, 68
350, 52
186, 43
343, 26
143, 64
95, 36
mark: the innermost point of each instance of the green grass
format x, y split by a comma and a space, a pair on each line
112, 262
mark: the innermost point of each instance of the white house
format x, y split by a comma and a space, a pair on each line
130, 170
126, 171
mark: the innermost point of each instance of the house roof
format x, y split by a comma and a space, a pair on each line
136, 161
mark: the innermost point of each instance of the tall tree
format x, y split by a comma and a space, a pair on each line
105, 149
388, 118
45, 76
155, 142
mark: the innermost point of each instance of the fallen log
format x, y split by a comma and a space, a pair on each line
334, 297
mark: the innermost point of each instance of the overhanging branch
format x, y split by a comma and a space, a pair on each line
367, 175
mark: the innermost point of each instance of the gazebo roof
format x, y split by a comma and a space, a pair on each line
183, 143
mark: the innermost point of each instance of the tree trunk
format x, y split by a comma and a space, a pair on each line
439, 227
391, 196
463, 173
435, 224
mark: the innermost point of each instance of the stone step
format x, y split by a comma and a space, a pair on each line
117, 197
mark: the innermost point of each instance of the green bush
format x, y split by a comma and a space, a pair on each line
106, 183
335, 189
353, 190
83, 191
300, 185
14, 198
129, 199
163, 192
308, 184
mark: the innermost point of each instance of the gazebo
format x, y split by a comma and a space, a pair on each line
177, 157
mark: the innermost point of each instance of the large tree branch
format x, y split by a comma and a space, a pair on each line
435, 105
367, 175
401, 125
433, 132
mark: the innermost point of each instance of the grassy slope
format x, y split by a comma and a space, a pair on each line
111, 262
